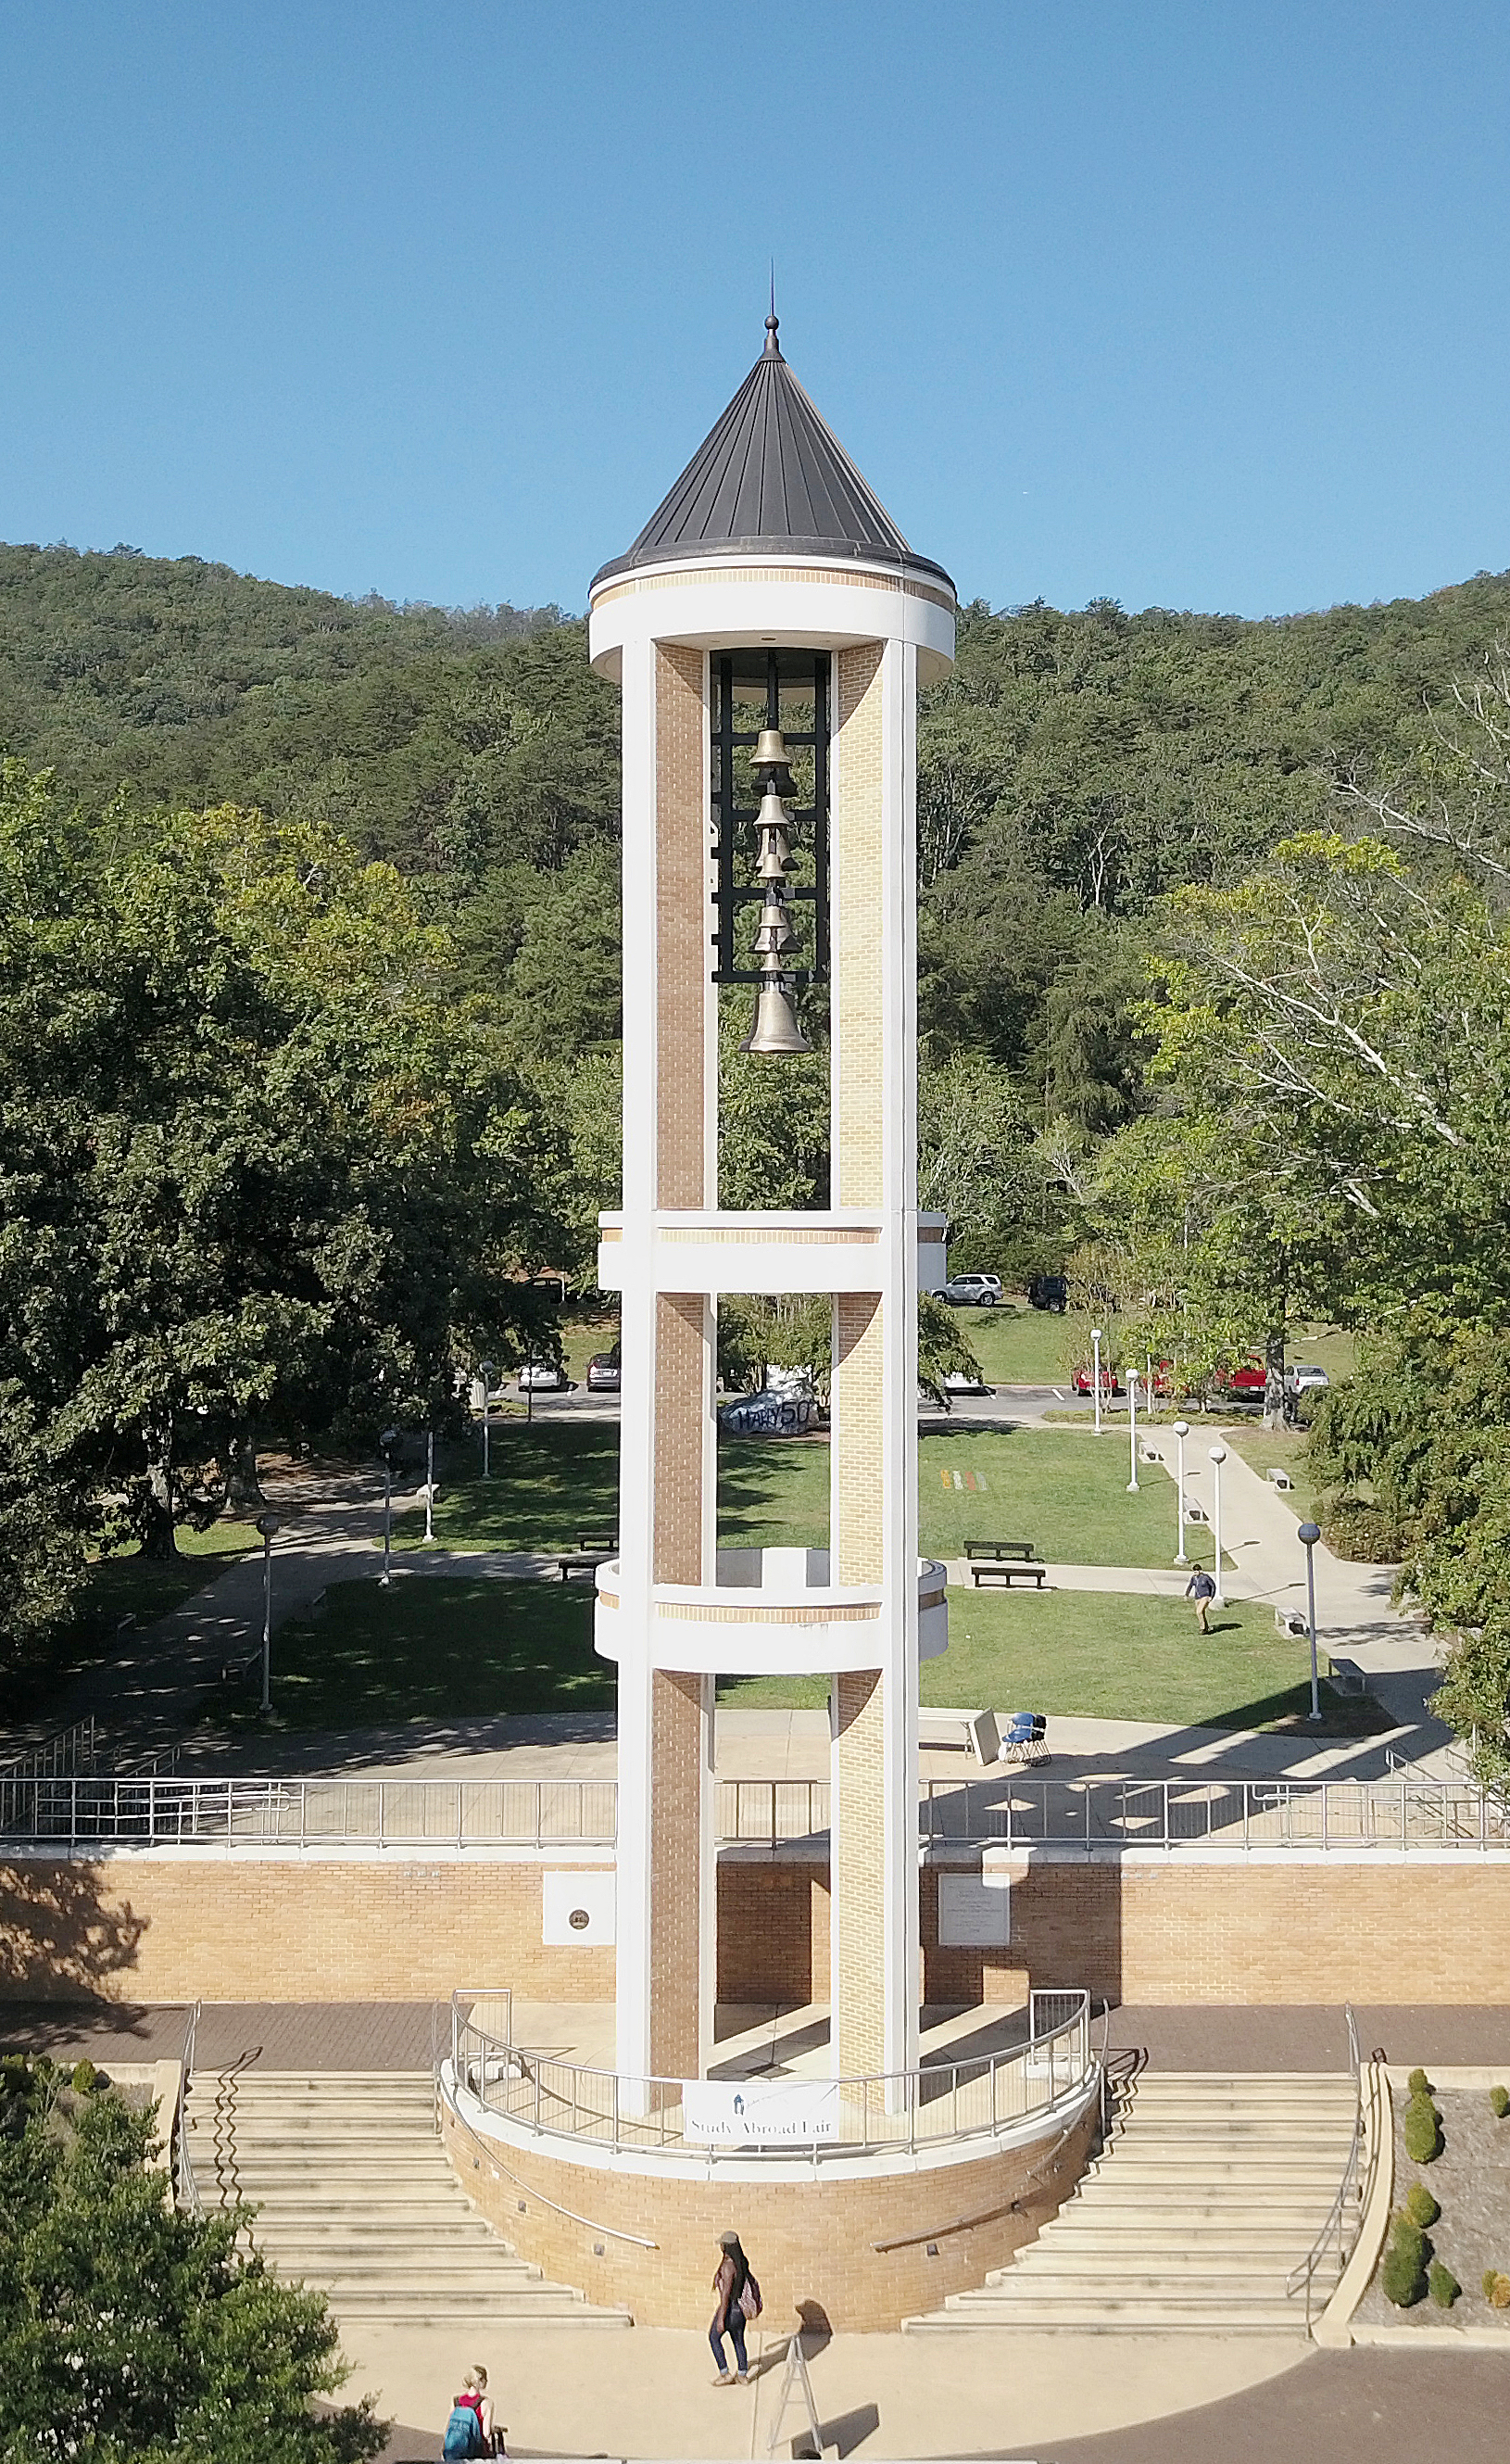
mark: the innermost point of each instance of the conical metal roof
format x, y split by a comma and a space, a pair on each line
772, 478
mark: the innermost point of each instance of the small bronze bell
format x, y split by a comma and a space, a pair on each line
770, 753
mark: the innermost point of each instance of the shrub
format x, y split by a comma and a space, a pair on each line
1420, 2206
1499, 2102
1423, 2131
1418, 2084
1497, 2288
1443, 2285
1364, 1533
85, 2078
1406, 2234
1402, 2277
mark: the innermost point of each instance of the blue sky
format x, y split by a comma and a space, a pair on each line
1189, 305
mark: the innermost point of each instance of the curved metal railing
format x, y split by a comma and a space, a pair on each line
1345, 2215
827, 2117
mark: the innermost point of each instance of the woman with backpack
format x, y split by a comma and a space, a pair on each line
737, 2295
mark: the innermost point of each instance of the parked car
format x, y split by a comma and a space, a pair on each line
1049, 1293
960, 1381
544, 1377
974, 1291
1247, 1384
1110, 1383
1305, 1379
603, 1372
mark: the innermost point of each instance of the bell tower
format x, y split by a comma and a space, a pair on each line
769, 627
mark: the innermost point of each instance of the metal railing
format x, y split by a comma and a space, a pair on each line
1106, 1816
896, 2109
315, 1813
1339, 2234
186, 2190
70, 1751
1094, 1817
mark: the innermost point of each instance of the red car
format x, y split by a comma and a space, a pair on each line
1247, 1382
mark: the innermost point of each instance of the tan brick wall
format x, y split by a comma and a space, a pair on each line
681, 858
677, 1555
857, 1459
859, 928
676, 1879
772, 1928
254, 1930
858, 1876
153, 1928
811, 2240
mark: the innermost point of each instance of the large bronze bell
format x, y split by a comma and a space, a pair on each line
775, 1029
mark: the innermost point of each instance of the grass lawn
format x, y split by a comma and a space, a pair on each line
1066, 1493
150, 1587
1017, 1346
1268, 1450
438, 1648
1105, 1656
550, 1484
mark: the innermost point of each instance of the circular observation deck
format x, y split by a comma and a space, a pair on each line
772, 1611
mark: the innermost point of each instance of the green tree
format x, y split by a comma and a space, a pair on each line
133, 2334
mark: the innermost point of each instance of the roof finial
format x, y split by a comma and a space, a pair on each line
772, 348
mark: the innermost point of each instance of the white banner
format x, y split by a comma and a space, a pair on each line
749, 2113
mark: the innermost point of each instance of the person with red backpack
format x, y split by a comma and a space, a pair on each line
738, 2300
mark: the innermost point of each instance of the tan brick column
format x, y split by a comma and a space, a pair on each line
676, 1877
857, 1500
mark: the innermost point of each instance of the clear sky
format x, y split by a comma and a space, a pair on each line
1196, 305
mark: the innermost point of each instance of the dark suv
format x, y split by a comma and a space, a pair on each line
1049, 1293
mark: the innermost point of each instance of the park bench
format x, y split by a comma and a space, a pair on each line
585, 1561
1004, 1561
1280, 1479
1290, 1621
1349, 1677
597, 1544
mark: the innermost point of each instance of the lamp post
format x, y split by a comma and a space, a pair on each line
487, 1424
388, 1442
1095, 1345
1182, 1430
1219, 1456
267, 1525
1308, 1535
1132, 1428
430, 1483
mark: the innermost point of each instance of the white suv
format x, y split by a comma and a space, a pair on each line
974, 1291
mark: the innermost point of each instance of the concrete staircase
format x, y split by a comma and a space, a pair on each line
355, 2196
1209, 2190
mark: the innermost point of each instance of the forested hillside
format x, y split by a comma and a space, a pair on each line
1074, 767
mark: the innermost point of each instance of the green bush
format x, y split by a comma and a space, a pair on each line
1499, 2102
1364, 1533
85, 2078
1420, 2206
1443, 2285
1402, 2277
1423, 2131
1497, 2288
1418, 2084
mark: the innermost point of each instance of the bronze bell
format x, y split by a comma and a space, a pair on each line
770, 753
775, 1028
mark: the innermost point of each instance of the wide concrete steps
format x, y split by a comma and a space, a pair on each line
354, 2195
1210, 2190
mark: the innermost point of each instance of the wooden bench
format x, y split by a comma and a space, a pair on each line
992, 1552
596, 1544
587, 1562
1007, 1570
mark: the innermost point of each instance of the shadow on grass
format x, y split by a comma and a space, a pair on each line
549, 1484
448, 1648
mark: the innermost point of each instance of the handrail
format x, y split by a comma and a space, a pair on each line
62, 1753
186, 2187
1080, 1817
941, 2102
1304, 2272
